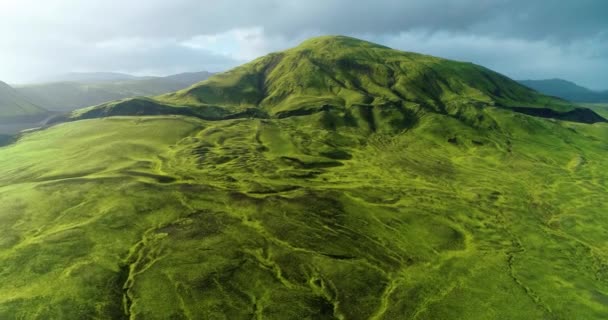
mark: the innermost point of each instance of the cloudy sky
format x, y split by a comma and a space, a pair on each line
524, 39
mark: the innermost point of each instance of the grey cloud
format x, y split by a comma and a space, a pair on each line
516, 58
74, 32
29, 63
186, 18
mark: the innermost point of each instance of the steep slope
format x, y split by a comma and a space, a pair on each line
14, 107
566, 90
68, 96
425, 208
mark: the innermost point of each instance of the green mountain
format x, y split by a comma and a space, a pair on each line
344, 72
566, 90
83, 90
340, 73
336, 180
14, 107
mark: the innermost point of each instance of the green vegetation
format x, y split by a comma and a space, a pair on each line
409, 202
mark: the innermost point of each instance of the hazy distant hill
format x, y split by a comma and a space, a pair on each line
566, 90
13, 106
87, 77
83, 90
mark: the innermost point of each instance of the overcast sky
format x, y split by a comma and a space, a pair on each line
524, 39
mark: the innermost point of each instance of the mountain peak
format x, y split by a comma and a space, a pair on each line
336, 41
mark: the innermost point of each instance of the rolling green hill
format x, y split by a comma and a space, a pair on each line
71, 95
566, 90
14, 107
317, 183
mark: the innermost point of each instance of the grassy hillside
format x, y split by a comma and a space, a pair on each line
68, 96
176, 216
14, 107
392, 210
566, 90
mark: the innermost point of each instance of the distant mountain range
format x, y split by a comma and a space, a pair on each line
77, 90
566, 90
87, 77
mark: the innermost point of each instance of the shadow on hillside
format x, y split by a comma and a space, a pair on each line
582, 115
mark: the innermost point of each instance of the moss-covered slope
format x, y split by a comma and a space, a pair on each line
296, 218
